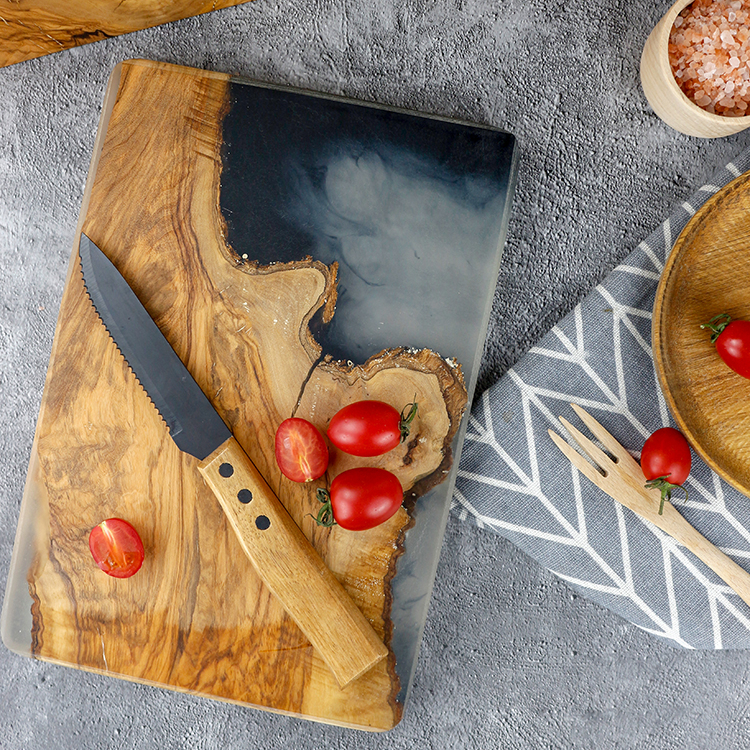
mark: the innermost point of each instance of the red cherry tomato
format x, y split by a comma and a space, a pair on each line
732, 340
370, 428
301, 451
666, 461
360, 499
116, 547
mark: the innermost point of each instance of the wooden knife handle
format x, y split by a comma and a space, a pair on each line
290, 567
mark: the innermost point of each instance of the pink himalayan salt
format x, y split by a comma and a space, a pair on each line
709, 52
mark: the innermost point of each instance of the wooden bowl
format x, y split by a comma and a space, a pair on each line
666, 97
707, 273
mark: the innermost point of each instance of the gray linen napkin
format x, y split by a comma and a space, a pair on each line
514, 481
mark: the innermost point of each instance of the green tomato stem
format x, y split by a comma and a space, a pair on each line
665, 487
325, 514
407, 417
716, 327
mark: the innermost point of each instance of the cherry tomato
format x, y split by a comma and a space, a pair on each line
370, 428
301, 451
665, 462
116, 547
732, 340
360, 499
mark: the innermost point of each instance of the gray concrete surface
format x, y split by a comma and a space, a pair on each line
511, 658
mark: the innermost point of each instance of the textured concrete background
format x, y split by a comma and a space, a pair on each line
511, 657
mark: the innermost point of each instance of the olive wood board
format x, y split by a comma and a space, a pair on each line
178, 166
196, 617
707, 274
34, 28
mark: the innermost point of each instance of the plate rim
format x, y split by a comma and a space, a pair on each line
657, 343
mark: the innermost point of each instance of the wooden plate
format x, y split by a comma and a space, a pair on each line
707, 273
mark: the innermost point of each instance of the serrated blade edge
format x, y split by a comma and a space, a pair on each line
193, 423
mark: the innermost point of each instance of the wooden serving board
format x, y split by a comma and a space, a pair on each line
177, 168
33, 28
707, 274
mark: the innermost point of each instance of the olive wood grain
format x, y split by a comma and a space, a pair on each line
622, 479
197, 617
290, 567
665, 95
33, 28
707, 274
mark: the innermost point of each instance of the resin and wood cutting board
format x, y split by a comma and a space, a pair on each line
33, 28
196, 617
299, 252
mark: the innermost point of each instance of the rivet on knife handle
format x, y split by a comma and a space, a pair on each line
285, 560
290, 567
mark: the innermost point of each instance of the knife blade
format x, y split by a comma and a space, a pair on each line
283, 557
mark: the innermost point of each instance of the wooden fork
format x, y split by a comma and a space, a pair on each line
623, 480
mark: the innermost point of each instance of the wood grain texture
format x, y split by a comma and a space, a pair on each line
667, 98
289, 566
33, 28
707, 274
197, 617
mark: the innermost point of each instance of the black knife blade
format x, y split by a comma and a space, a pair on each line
199, 430
283, 557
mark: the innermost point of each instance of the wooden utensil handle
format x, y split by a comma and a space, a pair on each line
290, 567
727, 569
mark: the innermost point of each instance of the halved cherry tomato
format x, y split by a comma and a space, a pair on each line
360, 499
370, 428
301, 451
666, 461
732, 340
116, 547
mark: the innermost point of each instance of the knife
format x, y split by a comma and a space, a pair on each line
281, 554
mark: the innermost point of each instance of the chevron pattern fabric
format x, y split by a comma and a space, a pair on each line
513, 480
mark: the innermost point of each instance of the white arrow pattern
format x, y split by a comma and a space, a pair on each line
512, 480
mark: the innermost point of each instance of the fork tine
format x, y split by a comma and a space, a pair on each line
577, 459
606, 439
596, 454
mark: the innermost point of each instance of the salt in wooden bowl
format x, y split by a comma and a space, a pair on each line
665, 95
